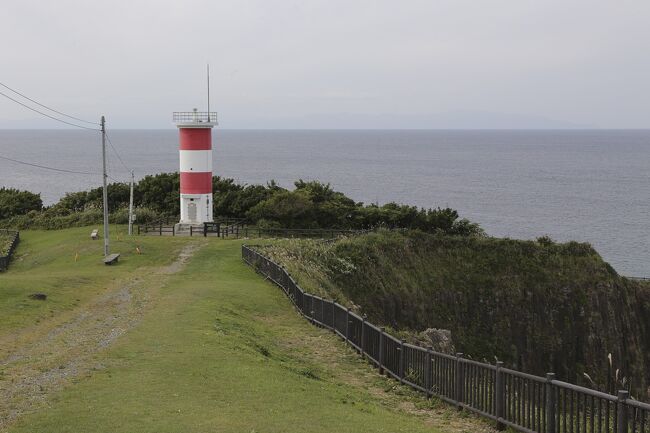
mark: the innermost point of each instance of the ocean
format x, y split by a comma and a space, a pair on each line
584, 185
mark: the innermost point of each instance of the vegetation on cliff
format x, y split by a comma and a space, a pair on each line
537, 305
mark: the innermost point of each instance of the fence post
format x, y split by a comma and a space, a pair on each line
621, 412
428, 377
460, 380
347, 324
322, 310
138, 228
400, 369
363, 336
173, 230
333, 315
551, 410
311, 308
160, 229
382, 343
499, 396
191, 227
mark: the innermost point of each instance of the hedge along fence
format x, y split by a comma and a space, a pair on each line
521, 401
14, 238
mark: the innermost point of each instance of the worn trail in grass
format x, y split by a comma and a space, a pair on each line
220, 350
60, 346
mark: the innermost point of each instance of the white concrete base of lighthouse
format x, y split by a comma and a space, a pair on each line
196, 209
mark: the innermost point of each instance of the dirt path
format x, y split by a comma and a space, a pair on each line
35, 367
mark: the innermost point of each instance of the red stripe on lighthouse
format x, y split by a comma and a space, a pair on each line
196, 182
195, 138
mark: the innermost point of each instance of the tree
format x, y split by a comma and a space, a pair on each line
291, 209
14, 202
160, 193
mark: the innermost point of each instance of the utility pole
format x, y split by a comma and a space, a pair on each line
105, 192
131, 206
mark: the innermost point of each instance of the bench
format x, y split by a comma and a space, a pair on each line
111, 258
94, 235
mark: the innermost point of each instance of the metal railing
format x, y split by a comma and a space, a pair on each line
524, 402
194, 117
252, 231
14, 238
236, 228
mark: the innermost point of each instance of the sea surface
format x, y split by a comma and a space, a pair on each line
586, 185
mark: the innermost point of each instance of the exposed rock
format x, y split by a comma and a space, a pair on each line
439, 339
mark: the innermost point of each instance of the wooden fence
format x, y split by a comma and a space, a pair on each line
522, 401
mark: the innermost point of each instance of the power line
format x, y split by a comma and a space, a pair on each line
62, 170
45, 106
47, 115
117, 153
126, 182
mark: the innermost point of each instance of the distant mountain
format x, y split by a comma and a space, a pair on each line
465, 119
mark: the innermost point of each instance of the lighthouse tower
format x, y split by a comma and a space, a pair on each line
195, 133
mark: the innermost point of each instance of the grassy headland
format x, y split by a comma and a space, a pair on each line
538, 305
159, 343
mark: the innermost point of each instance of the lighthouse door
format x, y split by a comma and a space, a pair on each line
191, 211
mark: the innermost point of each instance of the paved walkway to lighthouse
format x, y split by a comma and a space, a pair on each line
198, 343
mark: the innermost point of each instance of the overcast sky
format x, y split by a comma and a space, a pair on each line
332, 63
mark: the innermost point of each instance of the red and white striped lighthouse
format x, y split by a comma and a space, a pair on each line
195, 133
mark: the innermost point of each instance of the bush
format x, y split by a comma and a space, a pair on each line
310, 205
14, 202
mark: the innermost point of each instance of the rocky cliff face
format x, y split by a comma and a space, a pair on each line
538, 306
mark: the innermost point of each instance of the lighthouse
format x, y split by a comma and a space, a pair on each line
195, 154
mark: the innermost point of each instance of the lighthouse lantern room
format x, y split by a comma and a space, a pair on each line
195, 134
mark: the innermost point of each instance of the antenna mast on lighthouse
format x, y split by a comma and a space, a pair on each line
208, 92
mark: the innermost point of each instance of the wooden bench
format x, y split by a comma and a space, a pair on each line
111, 258
94, 235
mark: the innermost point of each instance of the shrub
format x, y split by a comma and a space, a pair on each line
14, 202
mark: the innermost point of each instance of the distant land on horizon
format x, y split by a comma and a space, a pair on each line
465, 119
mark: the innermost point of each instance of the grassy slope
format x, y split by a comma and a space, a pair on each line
539, 307
45, 263
221, 350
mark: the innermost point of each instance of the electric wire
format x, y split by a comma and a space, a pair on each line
45, 106
47, 115
117, 154
62, 170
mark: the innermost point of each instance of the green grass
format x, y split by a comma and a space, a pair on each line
67, 266
220, 350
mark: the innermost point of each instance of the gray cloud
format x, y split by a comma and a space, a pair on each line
333, 63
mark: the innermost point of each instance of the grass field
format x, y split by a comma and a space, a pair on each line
203, 344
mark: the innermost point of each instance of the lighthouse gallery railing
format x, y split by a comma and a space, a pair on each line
194, 117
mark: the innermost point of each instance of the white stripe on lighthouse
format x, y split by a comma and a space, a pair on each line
196, 160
